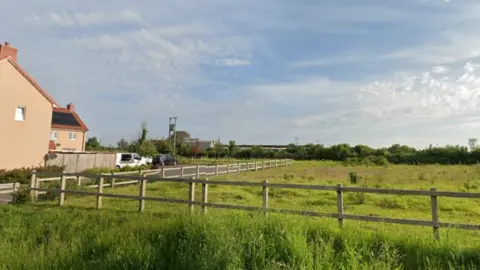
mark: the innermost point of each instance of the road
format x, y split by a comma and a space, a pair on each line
172, 172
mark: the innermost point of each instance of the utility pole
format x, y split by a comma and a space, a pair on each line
172, 132
296, 141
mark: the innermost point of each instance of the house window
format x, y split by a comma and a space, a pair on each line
20, 113
72, 136
53, 135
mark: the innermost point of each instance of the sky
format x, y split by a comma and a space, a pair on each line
369, 72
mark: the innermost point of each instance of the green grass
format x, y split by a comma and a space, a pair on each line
444, 178
72, 238
166, 236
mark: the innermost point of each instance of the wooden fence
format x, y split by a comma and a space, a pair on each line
340, 215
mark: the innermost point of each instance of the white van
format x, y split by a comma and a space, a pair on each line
130, 160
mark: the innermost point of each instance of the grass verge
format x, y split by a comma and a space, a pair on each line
69, 238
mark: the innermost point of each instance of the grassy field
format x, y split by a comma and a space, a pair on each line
72, 238
444, 178
235, 240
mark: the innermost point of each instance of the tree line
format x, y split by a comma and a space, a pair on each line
354, 155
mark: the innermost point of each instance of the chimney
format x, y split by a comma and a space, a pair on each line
7, 50
71, 107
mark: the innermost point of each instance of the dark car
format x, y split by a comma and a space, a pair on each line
164, 160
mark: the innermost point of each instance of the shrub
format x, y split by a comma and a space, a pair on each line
21, 196
23, 175
353, 177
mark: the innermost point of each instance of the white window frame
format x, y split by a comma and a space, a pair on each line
72, 136
20, 117
55, 133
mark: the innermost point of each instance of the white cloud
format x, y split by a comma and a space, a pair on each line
341, 71
71, 19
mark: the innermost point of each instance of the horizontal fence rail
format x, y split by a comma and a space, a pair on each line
143, 179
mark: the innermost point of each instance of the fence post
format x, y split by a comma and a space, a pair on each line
140, 174
265, 197
216, 170
434, 202
142, 191
204, 197
238, 167
112, 180
228, 168
340, 205
263, 164
276, 163
191, 195
99, 192
33, 182
63, 183
163, 172
256, 165
181, 172
197, 176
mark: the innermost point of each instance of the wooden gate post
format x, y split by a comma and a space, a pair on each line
142, 191
63, 183
191, 196
99, 192
33, 183
204, 197
340, 205
265, 197
434, 204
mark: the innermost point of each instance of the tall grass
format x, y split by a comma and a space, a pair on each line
68, 238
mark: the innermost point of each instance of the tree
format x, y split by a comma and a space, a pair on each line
232, 148
163, 146
93, 144
123, 144
146, 148
472, 144
181, 137
218, 149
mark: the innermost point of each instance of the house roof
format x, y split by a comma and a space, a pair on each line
63, 118
30, 79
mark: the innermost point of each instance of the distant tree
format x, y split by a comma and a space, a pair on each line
218, 149
163, 146
232, 148
93, 144
472, 144
123, 144
146, 148
181, 137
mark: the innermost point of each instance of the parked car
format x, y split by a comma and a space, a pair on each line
164, 159
130, 159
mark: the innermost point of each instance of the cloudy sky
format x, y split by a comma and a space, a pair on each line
330, 71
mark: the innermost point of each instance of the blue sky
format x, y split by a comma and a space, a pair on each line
370, 72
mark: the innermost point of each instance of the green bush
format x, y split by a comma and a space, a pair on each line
353, 177
23, 175
21, 196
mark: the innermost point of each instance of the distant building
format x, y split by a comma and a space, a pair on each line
202, 145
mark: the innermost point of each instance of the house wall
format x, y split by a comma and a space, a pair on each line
66, 144
25, 142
